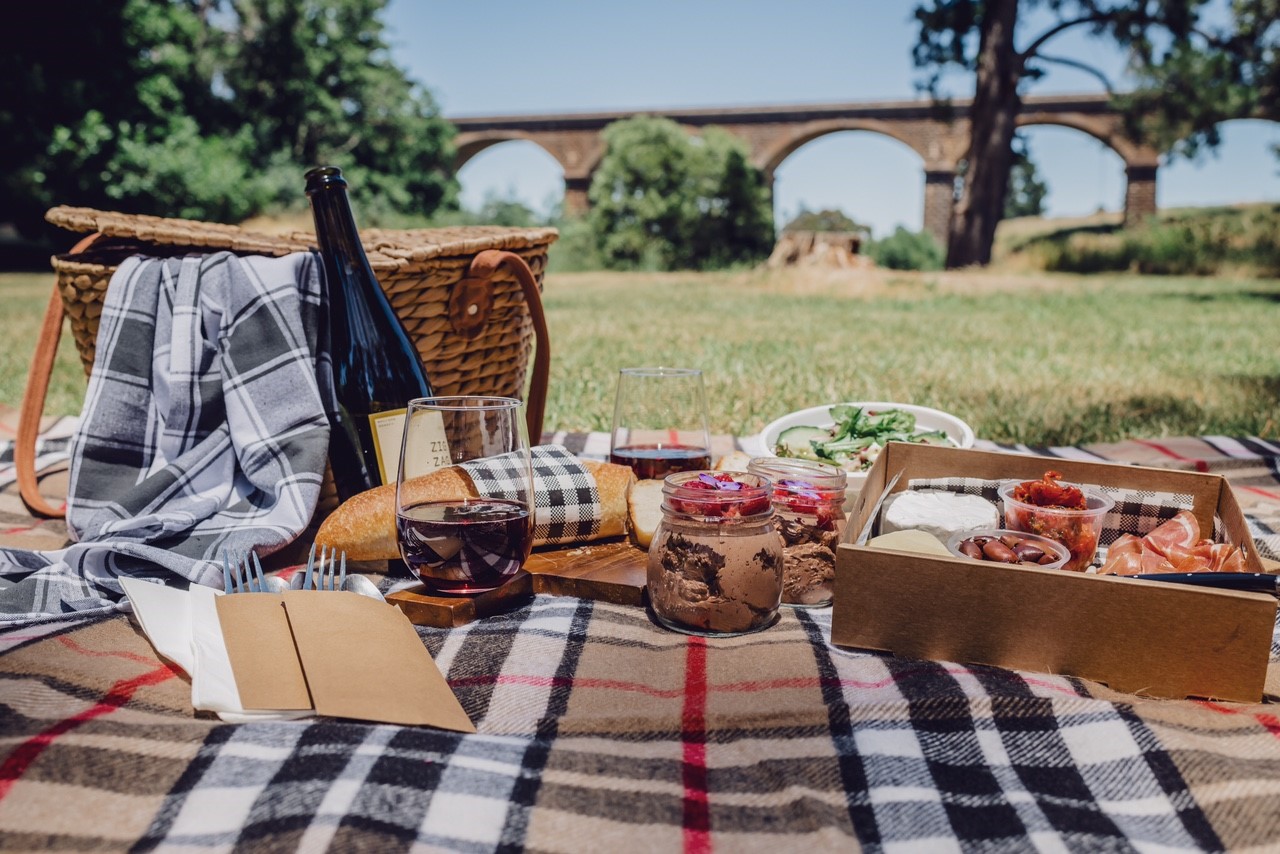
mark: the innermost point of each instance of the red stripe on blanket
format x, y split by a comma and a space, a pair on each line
693, 732
1265, 493
1200, 465
20, 760
70, 643
795, 682
1270, 723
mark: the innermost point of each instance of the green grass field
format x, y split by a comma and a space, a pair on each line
1028, 357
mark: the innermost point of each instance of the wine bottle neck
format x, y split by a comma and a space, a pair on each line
335, 225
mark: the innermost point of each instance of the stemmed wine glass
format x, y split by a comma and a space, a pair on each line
455, 544
660, 422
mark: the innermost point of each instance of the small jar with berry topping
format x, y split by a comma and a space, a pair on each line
808, 503
715, 563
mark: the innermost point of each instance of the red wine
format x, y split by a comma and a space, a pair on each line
465, 546
376, 370
654, 462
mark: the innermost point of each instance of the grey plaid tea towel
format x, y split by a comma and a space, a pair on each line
203, 429
566, 502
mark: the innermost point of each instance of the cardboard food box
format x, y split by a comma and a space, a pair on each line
1144, 637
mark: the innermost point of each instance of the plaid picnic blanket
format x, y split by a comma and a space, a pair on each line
599, 731
204, 429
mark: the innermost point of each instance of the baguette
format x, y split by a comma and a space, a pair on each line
364, 526
644, 506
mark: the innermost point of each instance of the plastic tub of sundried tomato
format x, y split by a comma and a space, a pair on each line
1067, 513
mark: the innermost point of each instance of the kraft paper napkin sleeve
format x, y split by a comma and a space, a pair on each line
260, 648
183, 627
363, 659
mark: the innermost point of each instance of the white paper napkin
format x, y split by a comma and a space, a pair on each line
183, 626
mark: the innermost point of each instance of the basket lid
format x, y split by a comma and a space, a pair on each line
173, 232
386, 248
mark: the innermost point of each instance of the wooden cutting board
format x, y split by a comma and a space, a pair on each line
606, 571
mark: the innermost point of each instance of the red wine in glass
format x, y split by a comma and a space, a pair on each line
655, 462
465, 546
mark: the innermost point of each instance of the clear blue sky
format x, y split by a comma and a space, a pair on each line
501, 57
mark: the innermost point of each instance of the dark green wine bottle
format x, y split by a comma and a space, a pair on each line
376, 370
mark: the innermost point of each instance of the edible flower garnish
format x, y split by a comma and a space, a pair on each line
725, 506
801, 497
720, 481
798, 488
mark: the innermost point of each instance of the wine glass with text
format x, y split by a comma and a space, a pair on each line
469, 528
660, 422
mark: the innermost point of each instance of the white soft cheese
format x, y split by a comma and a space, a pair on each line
937, 511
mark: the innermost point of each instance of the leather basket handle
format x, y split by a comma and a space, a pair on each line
483, 266
33, 399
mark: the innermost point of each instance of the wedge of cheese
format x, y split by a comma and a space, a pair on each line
921, 542
938, 511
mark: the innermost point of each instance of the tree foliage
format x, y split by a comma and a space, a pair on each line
1026, 191
663, 198
906, 250
1222, 70
1217, 73
828, 219
213, 109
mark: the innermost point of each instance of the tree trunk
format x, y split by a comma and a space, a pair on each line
992, 121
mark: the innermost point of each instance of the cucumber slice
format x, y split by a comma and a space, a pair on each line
798, 442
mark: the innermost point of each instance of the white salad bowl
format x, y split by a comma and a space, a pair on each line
820, 416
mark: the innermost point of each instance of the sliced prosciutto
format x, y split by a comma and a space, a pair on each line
1182, 531
1172, 546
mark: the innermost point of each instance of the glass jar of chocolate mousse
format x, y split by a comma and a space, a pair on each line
808, 505
715, 563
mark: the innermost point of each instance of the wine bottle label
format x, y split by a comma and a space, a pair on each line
428, 447
387, 428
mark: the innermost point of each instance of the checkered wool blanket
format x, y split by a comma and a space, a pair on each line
599, 731
204, 429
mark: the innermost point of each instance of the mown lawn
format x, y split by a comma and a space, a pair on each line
1023, 357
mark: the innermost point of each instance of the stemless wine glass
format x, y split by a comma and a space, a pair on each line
455, 544
660, 422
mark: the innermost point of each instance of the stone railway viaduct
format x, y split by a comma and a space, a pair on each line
772, 133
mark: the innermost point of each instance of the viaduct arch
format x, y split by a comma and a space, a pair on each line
772, 133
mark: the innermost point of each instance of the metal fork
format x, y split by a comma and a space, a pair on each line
329, 576
247, 576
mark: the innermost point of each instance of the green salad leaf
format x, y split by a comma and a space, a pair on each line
855, 439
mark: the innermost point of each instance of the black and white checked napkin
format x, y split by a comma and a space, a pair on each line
566, 502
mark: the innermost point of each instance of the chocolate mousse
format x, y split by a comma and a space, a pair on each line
715, 583
809, 558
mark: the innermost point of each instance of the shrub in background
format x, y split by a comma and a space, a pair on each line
665, 199
1195, 242
907, 250
576, 250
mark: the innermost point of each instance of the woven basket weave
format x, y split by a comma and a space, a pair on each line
457, 291
417, 269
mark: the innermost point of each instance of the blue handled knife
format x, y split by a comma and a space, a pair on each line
1257, 582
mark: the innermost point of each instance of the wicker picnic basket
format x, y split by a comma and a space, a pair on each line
469, 298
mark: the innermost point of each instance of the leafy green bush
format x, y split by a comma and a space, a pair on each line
663, 199
576, 250
1174, 250
1197, 242
828, 219
907, 250
1088, 253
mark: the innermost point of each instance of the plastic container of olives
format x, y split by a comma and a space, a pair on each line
1001, 545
